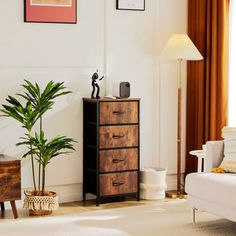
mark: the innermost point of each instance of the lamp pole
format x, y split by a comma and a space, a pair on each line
179, 47
179, 141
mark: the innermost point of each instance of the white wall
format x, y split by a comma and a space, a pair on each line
172, 19
130, 57
125, 44
43, 52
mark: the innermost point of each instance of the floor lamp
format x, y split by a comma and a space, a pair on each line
179, 48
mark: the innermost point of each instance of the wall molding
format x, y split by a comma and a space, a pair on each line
49, 69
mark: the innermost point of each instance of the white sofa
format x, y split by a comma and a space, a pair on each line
214, 193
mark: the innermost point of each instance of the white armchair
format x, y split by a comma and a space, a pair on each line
215, 193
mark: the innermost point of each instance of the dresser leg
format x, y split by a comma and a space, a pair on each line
138, 197
14, 210
97, 202
2, 206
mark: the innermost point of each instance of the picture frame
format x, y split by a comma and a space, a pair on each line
134, 5
50, 11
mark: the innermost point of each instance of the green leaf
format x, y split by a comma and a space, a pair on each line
12, 112
46, 150
13, 101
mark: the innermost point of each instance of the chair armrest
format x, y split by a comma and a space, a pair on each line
214, 155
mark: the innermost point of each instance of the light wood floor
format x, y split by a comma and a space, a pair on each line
80, 207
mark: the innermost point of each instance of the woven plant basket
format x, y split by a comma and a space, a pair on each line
40, 205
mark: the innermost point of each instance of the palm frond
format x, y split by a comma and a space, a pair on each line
13, 101
51, 148
12, 111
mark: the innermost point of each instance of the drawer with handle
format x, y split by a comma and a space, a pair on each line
118, 136
118, 112
118, 183
119, 159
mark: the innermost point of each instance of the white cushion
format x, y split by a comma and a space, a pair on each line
214, 155
228, 132
217, 188
229, 161
230, 146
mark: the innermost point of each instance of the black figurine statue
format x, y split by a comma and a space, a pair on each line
95, 84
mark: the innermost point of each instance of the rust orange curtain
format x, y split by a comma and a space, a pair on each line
207, 80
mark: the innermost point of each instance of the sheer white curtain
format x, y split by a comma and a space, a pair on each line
232, 65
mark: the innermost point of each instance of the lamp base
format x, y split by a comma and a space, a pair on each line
176, 194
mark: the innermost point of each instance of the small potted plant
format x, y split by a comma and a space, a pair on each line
28, 112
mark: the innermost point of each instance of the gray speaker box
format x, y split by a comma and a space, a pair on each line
121, 89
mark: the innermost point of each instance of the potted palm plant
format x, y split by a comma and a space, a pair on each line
28, 109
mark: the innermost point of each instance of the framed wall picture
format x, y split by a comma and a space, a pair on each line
135, 5
50, 11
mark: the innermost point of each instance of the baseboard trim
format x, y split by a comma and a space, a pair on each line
171, 181
66, 193
74, 192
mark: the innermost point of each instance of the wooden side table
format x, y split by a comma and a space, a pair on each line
10, 182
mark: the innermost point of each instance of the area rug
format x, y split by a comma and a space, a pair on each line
170, 218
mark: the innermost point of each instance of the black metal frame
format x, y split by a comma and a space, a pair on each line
98, 156
97, 171
27, 21
138, 194
127, 9
84, 159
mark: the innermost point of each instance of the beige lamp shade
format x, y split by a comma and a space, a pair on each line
180, 47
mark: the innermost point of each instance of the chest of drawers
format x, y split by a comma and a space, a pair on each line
111, 148
10, 182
